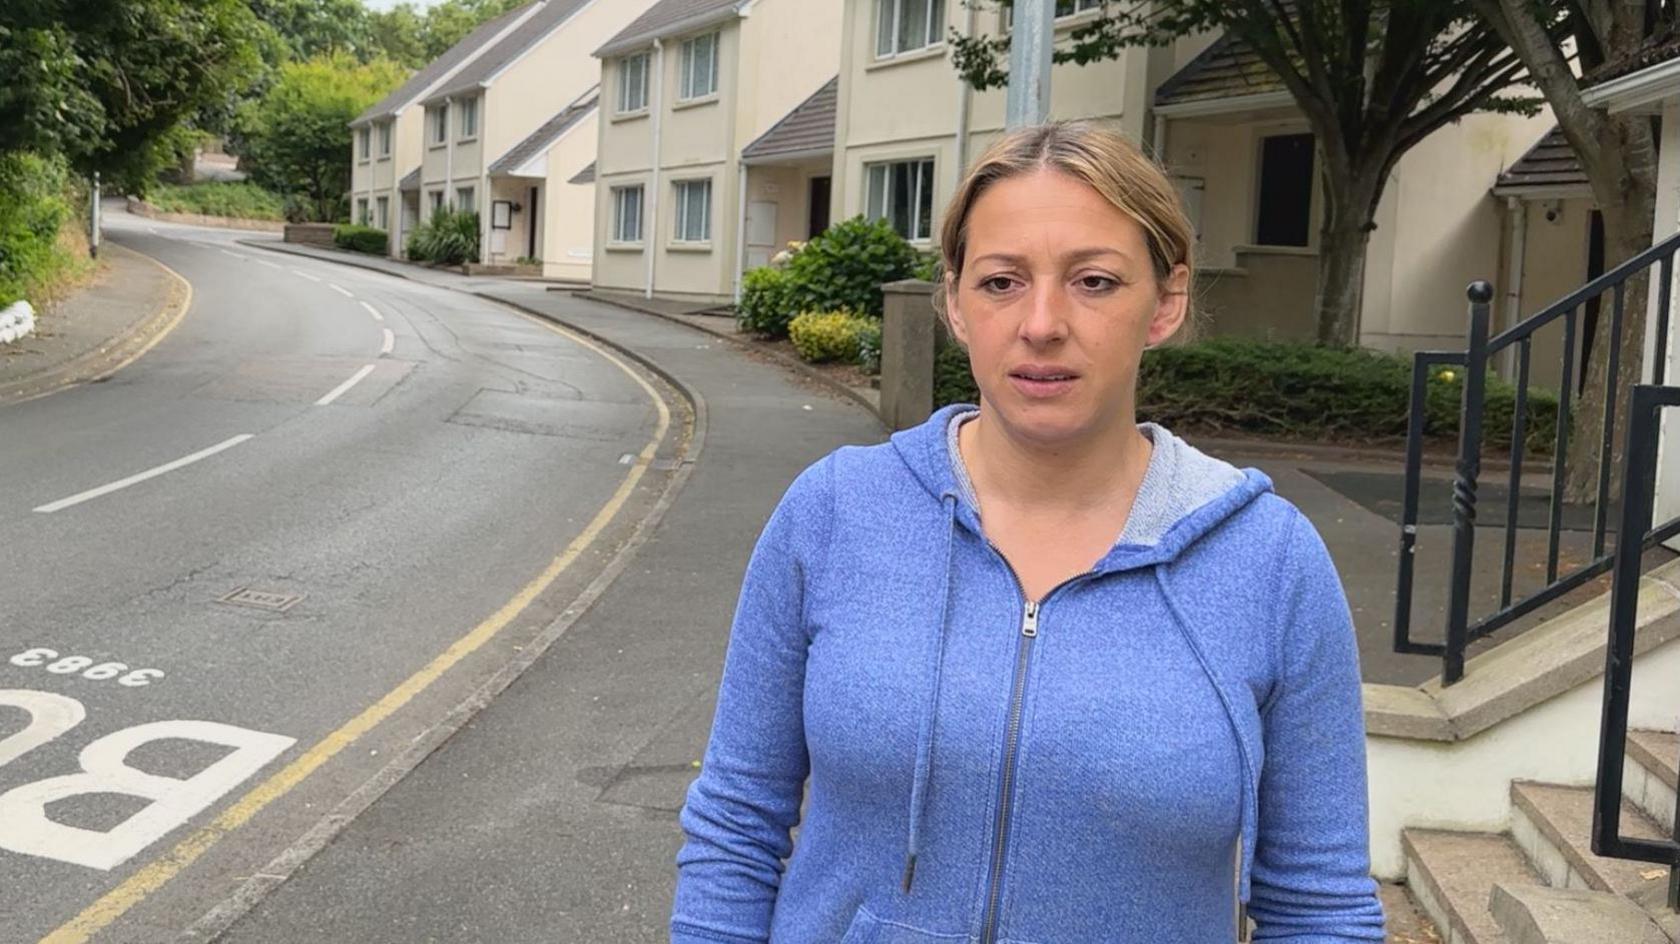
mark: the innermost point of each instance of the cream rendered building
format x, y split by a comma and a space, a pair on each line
386, 138
537, 76
684, 90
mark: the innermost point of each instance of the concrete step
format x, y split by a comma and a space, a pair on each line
1452, 874
1553, 826
1649, 777
1407, 924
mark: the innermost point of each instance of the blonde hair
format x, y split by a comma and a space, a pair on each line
1103, 160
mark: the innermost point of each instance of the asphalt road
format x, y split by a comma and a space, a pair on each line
424, 480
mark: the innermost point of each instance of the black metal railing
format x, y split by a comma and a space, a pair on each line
1461, 629
1638, 502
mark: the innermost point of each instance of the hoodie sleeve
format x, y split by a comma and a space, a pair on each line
1311, 881
741, 808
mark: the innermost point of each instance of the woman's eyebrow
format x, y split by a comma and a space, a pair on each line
1076, 255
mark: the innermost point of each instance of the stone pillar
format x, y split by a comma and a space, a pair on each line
909, 338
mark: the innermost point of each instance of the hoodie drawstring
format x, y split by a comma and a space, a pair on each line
924, 737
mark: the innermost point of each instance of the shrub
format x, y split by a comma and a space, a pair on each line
766, 303
1292, 390
869, 347
33, 209
927, 267
366, 239
448, 238
842, 269
218, 198
827, 336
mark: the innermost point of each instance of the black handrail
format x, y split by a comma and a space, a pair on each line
1461, 629
1638, 503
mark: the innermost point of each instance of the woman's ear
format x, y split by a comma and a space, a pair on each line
1171, 307
953, 314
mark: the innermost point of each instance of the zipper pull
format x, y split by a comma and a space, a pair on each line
1029, 623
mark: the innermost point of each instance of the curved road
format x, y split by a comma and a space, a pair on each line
422, 479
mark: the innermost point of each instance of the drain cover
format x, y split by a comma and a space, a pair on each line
261, 599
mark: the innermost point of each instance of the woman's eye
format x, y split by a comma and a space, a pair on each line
997, 283
1097, 283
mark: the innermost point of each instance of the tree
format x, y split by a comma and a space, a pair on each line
398, 34
1372, 77
450, 21
310, 28
296, 136
105, 83
1618, 153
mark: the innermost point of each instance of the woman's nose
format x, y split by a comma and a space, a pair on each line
1044, 318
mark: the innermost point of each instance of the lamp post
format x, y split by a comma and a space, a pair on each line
1030, 41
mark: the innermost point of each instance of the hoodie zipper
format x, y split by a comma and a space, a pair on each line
1011, 744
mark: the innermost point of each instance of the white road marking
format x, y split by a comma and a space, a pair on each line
271, 265
340, 290
390, 342
344, 387
305, 275
233, 254
91, 494
373, 311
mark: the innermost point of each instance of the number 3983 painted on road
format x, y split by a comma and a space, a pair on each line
83, 665
171, 801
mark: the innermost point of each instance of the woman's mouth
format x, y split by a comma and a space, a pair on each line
1040, 382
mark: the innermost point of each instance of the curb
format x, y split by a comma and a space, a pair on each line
115, 353
792, 363
352, 262
222, 917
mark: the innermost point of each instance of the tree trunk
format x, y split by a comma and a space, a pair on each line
1627, 232
1343, 240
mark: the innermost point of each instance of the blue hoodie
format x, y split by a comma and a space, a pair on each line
1123, 760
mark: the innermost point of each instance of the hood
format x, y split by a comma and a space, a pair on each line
1185, 493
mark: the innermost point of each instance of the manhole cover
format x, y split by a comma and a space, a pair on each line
261, 599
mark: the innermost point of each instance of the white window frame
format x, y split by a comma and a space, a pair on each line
877, 202
620, 231
643, 65
888, 14
683, 229
689, 87
364, 138
469, 120
382, 212
1078, 7
363, 214
466, 199
434, 200
384, 139
439, 132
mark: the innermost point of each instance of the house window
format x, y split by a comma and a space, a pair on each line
1064, 9
699, 67
633, 83
436, 198
464, 199
440, 124
469, 119
362, 210
1283, 211
902, 193
907, 25
694, 211
627, 214
382, 212
362, 138
385, 139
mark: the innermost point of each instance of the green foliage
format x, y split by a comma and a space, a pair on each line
766, 304
242, 200
296, 139
449, 22
820, 337
103, 82
310, 28
33, 209
927, 267
843, 268
869, 347
368, 239
448, 238
1296, 391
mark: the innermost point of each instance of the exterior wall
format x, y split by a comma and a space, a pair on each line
509, 245
1554, 264
788, 50
435, 162
568, 223
788, 187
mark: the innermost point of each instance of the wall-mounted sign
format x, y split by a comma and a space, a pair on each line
501, 214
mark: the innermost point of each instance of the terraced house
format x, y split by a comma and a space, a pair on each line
686, 89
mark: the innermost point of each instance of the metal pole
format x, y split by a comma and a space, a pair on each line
1464, 485
1030, 40
93, 218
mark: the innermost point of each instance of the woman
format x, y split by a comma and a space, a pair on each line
1053, 676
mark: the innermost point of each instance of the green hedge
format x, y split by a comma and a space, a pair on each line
1297, 391
820, 337
33, 210
840, 270
448, 238
244, 201
766, 304
366, 239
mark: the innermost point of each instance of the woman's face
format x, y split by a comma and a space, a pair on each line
1056, 301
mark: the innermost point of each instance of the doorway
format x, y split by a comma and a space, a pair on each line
821, 189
